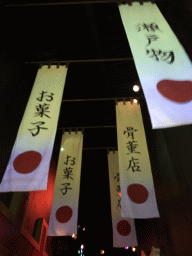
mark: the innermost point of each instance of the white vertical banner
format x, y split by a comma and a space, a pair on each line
64, 212
137, 189
29, 163
163, 67
124, 233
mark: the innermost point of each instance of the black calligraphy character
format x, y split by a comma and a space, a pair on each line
130, 133
151, 38
42, 95
141, 27
41, 98
119, 203
73, 161
118, 188
50, 96
68, 173
38, 127
133, 165
65, 188
154, 54
41, 109
153, 27
149, 27
117, 177
132, 146
167, 56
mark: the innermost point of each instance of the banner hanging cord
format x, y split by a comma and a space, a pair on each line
101, 99
67, 62
81, 2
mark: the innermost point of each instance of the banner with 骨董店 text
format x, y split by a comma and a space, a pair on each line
29, 162
163, 67
124, 233
137, 189
64, 211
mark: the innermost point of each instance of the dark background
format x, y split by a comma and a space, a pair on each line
95, 31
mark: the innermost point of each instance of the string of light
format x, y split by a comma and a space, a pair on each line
101, 251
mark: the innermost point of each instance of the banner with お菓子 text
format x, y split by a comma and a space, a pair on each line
64, 211
137, 189
124, 233
163, 66
28, 166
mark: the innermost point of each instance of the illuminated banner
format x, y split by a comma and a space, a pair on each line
163, 66
136, 181
29, 163
64, 212
124, 233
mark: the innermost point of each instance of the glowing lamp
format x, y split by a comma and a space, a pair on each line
133, 249
127, 247
62, 149
135, 101
135, 88
102, 251
82, 246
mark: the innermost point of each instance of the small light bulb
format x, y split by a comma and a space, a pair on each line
82, 246
102, 251
133, 249
135, 88
135, 101
62, 149
83, 229
127, 247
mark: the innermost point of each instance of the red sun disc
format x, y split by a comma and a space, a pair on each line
137, 193
178, 91
64, 214
123, 228
27, 162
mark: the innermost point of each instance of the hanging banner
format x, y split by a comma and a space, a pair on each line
163, 67
29, 163
64, 212
136, 181
124, 233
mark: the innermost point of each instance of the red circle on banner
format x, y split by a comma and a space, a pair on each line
64, 214
178, 91
123, 228
27, 162
137, 193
